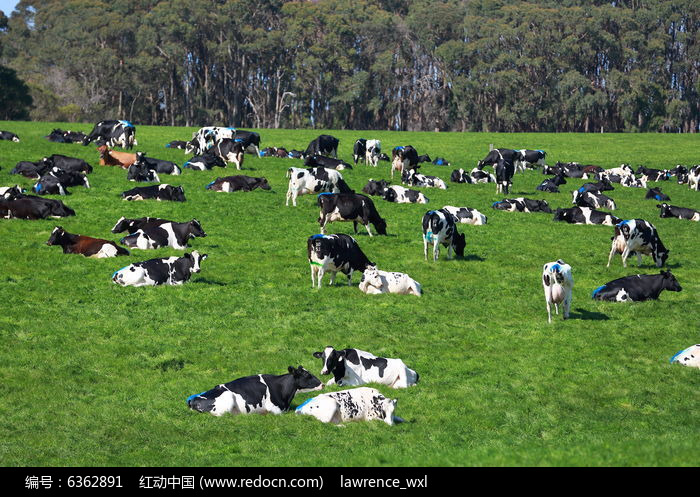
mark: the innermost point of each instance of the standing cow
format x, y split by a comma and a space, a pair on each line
333, 253
439, 228
558, 285
314, 180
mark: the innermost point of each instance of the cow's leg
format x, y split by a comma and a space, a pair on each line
639, 259
549, 311
314, 272
625, 255
612, 252
436, 250
567, 305
350, 278
369, 232
322, 221
321, 272
289, 195
556, 307
425, 247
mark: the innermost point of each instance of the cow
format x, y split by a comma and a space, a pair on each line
230, 151
29, 169
282, 153
413, 178
373, 151
109, 157
153, 272
521, 204
375, 282
602, 186
558, 285
359, 150
466, 215
9, 135
158, 165
551, 185
526, 158
259, 394
680, 172
355, 367
295, 154
637, 236
179, 144
314, 180
688, 357
50, 185
353, 207
11, 192
441, 161
653, 174
238, 183
678, 212
67, 163
657, 194
133, 225
323, 145
694, 178
84, 245
637, 288
401, 195
351, 405
250, 140
327, 162
205, 138
333, 253
632, 182
461, 176
142, 173
61, 136
32, 207
504, 175
376, 188
424, 158
479, 176
439, 228
403, 158
170, 234
158, 192
492, 158
585, 215
204, 162
593, 200
268, 152
113, 132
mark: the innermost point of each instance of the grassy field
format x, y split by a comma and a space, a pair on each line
95, 374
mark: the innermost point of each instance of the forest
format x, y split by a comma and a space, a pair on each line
423, 65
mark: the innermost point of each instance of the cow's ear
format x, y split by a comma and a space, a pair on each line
317, 355
290, 369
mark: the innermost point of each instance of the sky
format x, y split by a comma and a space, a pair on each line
7, 6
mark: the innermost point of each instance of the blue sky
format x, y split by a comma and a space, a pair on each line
7, 6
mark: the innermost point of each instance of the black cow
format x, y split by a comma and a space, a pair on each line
657, 194
375, 187
333, 253
551, 185
158, 165
153, 272
602, 186
461, 176
359, 150
67, 163
504, 175
261, 394
32, 207
204, 162
327, 162
50, 185
323, 145
441, 161
68, 178
678, 212
585, 215
637, 288
403, 158
249, 140
113, 132
522, 205
61, 136
142, 173
349, 207
9, 135
29, 169
238, 183
158, 192
169, 234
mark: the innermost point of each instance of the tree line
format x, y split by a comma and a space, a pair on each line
449, 65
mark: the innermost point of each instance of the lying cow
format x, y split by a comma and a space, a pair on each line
109, 157
179, 144
50, 185
522, 205
314, 180
466, 215
140, 172
551, 185
636, 236
84, 245
9, 135
439, 228
133, 225
349, 207
238, 183
637, 288
350, 405
376, 188
401, 195
11, 192
461, 176
327, 162
153, 272
585, 215
169, 234
657, 194
158, 165
593, 200
259, 394
354, 367
688, 357
441, 161
333, 253
413, 178
204, 162
31, 207
158, 192
632, 182
527, 158
479, 176
678, 212
558, 285
375, 281
34, 170
67, 163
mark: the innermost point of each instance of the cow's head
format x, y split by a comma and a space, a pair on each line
196, 259
196, 229
665, 210
560, 215
332, 359
660, 255
264, 184
670, 282
304, 381
177, 194
459, 242
56, 236
544, 206
389, 195
122, 225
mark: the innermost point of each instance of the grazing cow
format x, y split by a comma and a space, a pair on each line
466, 215
327, 162
11, 192
85, 245
375, 187
492, 158
314, 180
679, 212
109, 157
205, 138
31, 207
637, 288
158, 192
657, 194
441, 161
694, 178
375, 281
179, 144
323, 145
333, 253
504, 176
153, 236
238, 183
551, 185
259, 394
637, 236
67, 163
593, 200
204, 162
250, 140
362, 403
113, 132
353, 207
9, 135
359, 150
461, 176
153, 272
585, 215
29, 169
373, 150
526, 158
355, 367
158, 165
403, 158
439, 228
229, 150
413, 178
402, 195
688, 357
558, 285
142, 173
521, 204
133, 225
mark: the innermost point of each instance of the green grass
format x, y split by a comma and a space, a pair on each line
95, 374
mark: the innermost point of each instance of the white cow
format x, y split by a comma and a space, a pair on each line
375, 281
688, 357
350, 405
558, 285
372, 150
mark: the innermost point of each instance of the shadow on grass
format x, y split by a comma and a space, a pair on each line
588, 315
470, 257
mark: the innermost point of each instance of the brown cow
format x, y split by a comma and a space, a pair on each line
109, 157
85, 245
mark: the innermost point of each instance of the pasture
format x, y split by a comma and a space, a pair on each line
92, 374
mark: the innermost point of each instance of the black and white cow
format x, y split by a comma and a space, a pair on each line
497, 154
257, 394
479, 176
67, 163
599, 187
357, 404
153, 272
466, 215
205, 138
359, 150
112, 133
657, 194
694, 178
60, 136
333, 253
558, 284
526, 158
377, 282
179, 144
349, 207
424, 158
653, 174
522, 205
439, 228
158, 165
158, 192
401, 195
688, 357
376, 188
142, 173
441, 161
680, 172
32, 207
504, 175
84, 245
314, 180
327, 162
594, 200
69, 178
637, 288
204, 162
551, 185
229, 150
461, 176
50, 185
678, 212
637, 236
323, 145
238, 183
355, 367
9, 135
403, 158
632, 182
585, 215
373, 152
157, 235
250, 140
133, 225
412, 177
11, 192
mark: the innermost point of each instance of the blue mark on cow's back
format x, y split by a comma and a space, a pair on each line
676, 355
303, 404
325, 193
315, 237
126, 123
597, 290
193, 396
